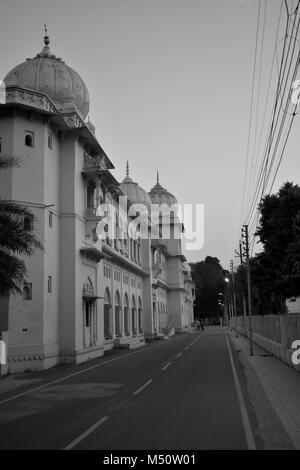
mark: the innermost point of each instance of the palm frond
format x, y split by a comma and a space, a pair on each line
11, 207
9, 161
12, 273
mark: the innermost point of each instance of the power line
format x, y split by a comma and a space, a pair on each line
266, 103
275, 134
251, 108
258, 91
265, 169
258, 184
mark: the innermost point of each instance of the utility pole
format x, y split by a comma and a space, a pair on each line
240, 255
245, 236
234, 295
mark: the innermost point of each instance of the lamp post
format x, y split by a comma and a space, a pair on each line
226, 300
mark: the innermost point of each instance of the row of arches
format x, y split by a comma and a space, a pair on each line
126, 319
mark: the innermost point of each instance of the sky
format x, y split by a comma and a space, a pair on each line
170, 87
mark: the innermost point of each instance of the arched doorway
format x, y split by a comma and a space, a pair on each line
140, 313
107, 317
126, 315
118, 327
154, 317
159, 317
133, 315
89, 314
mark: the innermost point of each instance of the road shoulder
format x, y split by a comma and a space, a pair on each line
269, 384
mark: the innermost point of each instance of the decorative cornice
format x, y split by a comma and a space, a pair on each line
29, 98
92, 253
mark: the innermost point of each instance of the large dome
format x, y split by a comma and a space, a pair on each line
160, 195
134, 193
48, 74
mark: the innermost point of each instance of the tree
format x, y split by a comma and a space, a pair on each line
276, 271
209, 278
16, 238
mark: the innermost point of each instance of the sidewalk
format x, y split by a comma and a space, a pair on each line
280, 382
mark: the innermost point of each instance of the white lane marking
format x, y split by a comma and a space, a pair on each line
143, 386
245, 417
65, 378
186, 348
178, 355
166, 366
86, 433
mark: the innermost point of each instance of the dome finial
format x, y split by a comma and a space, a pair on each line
157, 175
127, 168
46, 37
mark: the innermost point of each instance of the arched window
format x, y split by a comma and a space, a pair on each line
133, 315
140, 312
27, 291
126, 315
107, 315
118, 331
29, 139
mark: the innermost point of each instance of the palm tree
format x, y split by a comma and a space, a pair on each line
16, 238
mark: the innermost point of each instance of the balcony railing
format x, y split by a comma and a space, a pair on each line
93, 163
90, 212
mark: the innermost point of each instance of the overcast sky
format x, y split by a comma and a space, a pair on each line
170, 87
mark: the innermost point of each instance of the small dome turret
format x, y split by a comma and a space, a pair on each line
46, 73
134, 193
160, 195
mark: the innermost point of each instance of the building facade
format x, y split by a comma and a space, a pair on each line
83, 294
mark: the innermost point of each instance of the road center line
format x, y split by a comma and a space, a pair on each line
178, 355
245, 418
65, 378
166, 366
86, 433
142, 388
74, 374
186, 348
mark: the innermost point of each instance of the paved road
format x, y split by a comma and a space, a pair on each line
176, 394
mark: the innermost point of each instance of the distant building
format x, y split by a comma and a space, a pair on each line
82, 295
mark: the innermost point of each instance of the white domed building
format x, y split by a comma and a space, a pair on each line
84, 293
49, 75
173, 275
